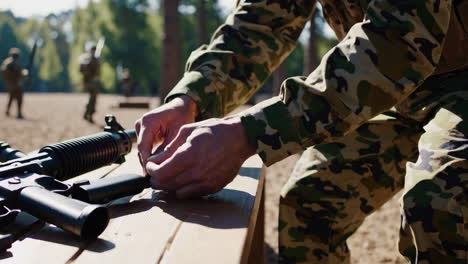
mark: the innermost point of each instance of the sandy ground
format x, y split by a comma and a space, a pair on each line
54, 117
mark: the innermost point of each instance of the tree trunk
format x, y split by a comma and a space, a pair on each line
171, 50
278, 77
311, 60
203, 37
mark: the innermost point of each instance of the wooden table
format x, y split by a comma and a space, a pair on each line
151, 227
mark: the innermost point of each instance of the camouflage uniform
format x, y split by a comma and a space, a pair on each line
127, 85
90, 68
385, 109
13, 74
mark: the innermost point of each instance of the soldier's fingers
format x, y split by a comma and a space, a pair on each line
167, 140
165, 174
138, 126
137, 130
172, 147
147, 138
170, 183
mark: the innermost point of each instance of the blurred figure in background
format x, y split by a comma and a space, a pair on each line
127, 84
13, 73
90, 68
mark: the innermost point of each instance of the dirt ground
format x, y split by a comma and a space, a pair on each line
50, 118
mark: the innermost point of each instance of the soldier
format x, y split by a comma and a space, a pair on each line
90, 68
385, 110
13, 74
127, 84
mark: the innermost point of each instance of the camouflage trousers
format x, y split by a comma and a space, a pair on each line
92, 87
336, 185
15, 93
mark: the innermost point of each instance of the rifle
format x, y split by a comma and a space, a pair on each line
33, 183
99, 47
31, 56
31, 63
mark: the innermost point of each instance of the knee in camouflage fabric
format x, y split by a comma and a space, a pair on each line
434, 205
336, 185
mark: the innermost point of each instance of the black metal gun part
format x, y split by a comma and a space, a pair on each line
32, 183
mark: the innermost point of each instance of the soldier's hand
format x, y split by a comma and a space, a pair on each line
202, 159
159, 126
25, 72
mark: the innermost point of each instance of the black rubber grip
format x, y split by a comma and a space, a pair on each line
81, 155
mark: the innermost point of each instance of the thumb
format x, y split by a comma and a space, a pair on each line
169, 150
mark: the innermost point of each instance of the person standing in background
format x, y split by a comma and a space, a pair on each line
13, 73
90, 68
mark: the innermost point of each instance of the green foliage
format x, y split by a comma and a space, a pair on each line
133, 33
84, 28
189, 23
129, 40
295, 61
132, 41
9, 38
49, 60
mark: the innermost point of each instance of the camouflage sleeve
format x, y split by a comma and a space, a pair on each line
243, 52
379, 63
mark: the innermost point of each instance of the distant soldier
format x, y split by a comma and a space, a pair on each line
127, 84
90, 68
12, 72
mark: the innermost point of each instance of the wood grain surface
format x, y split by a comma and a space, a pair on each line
154, 227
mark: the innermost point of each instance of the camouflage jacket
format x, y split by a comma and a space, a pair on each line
11, 70
90, 67
387, 49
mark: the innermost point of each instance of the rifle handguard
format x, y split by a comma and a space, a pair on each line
77, 156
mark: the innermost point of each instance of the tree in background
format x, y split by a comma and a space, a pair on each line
84, 28
134, 30
132, 41
311, 54
203, 37
9, 38
171, 58
129, 40
52, 57
197, 30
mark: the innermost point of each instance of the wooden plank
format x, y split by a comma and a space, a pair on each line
218, 227
173, 231
257, 247
145, 105
139, 228
53, 245
154, 227
139, 231
256, 224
